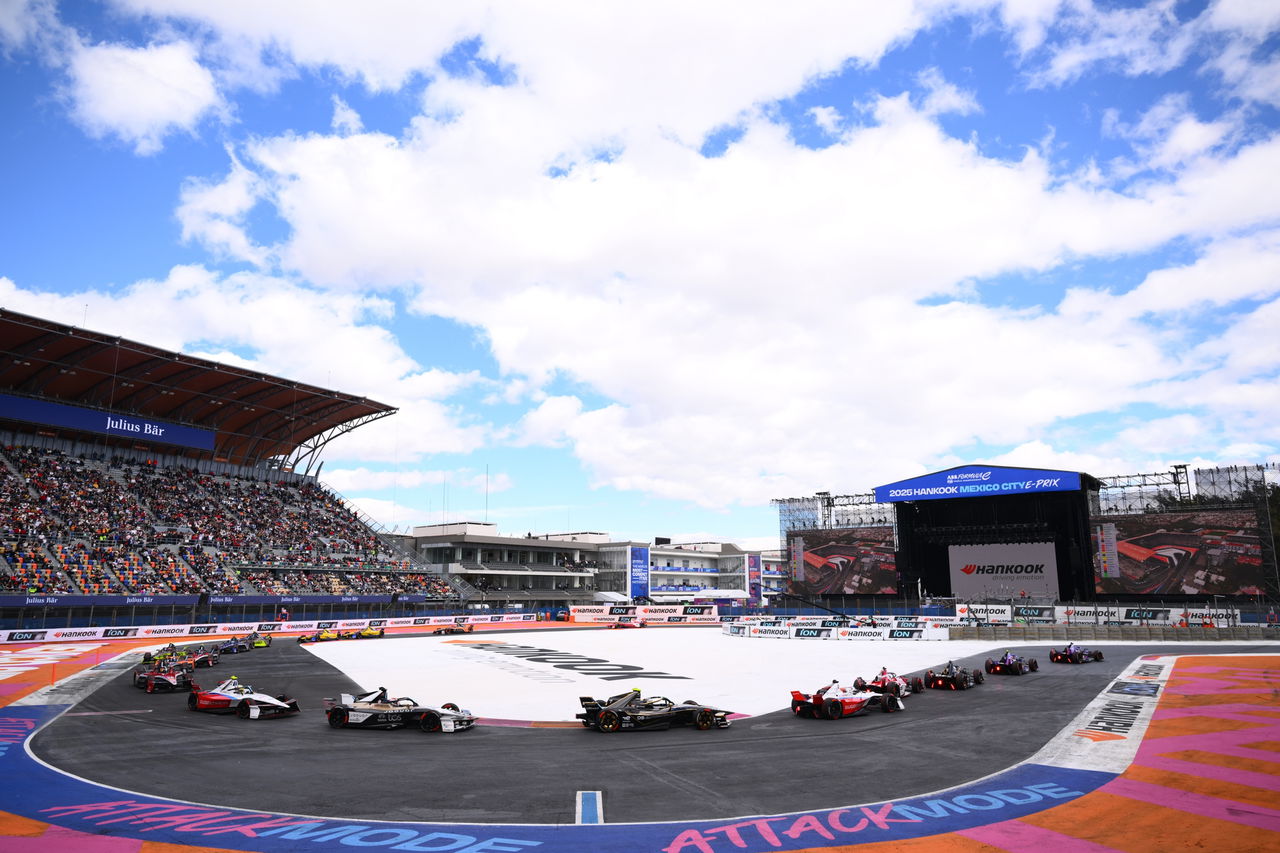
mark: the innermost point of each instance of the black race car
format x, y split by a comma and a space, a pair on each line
1074, 654
454, 629
952, 677
632, 711
1011, 664
376, 710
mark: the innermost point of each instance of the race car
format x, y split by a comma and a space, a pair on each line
258, 641
1011, 664
362, 634
833, 702
168, 652
632, 711
320, 636
454, 629
628, 623
166, 675
232, 696
952, 677
1074, 654
376, 710
234, 646
199, 656
891, 683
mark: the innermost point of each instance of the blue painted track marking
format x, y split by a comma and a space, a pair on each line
590, 807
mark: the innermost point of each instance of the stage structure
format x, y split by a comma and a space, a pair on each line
999, 533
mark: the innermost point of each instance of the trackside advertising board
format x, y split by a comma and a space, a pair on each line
692, 614
972, 481
639, 572
195, 633
1003, 570
108, 423
835, 629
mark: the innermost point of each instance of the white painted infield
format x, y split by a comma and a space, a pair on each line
741, 675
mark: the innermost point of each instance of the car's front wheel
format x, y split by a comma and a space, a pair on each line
242, 710
706, 719
337, 717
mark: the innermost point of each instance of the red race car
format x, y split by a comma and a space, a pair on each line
232, 696
166, 675
891, 683
833, 702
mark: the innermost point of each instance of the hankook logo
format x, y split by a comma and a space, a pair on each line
1004, 569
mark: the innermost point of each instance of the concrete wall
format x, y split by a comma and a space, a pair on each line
1131, 633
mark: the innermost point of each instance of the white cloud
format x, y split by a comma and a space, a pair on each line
942, 97
346, 121
827, 118
140, 95
214, 214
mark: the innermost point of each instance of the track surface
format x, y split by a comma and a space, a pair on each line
768, 764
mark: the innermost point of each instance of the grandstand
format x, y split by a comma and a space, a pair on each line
131, 474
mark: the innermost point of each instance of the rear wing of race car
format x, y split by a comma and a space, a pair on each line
589, 703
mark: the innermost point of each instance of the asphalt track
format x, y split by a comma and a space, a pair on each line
768, 764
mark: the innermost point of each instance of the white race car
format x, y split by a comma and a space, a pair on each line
248, 704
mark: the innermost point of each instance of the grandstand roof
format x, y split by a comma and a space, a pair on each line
255, 416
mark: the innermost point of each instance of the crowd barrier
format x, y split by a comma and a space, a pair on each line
696, 614
231, 629
839, 629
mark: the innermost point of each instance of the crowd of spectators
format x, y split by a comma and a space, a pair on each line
117, 526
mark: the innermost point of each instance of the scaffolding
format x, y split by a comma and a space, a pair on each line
825, 511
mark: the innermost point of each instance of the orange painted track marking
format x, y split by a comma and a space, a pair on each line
1209, 787
1123, 824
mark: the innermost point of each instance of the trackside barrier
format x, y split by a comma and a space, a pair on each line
177, 632
840, 631
690, 614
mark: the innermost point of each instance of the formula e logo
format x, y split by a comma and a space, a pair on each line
813, 632
111, 633
26, 636
904, 633
202, 629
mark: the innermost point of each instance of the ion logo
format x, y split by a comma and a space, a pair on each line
904, 633
813, 632
269, 626
26, 636
1149, 615
677, 618
202, 629
111, 633
697, 610
621, 611
323, 625
421, 621
377, 623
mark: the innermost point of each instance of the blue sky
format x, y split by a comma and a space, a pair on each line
641, 272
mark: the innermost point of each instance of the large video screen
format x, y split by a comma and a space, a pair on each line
1203, 552
850, 561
